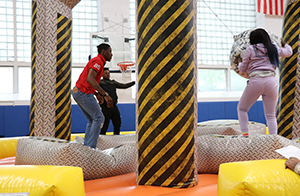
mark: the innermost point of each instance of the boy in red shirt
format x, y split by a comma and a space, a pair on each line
86, 87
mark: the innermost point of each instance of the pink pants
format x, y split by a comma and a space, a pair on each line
267, 87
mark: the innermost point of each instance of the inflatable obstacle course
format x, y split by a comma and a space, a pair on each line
125, 184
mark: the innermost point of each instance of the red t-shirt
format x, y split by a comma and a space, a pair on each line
97, 63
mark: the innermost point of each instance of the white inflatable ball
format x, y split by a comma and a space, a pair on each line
241, 42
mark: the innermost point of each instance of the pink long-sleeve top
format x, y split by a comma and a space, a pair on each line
259, 61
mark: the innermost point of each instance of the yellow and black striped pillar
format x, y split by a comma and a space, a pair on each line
33, 63
63, 78
50, 113
287, 109
165, 112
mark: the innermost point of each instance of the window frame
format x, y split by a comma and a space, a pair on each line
15, 64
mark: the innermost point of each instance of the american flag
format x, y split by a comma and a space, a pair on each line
271, 7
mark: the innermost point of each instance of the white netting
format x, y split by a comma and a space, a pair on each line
125, 68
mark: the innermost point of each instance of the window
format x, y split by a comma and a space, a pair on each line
23, 28
208, 83
217, 21
84, 22
7, 31
132, 19
6, 79
75, 75
15, 42
132, 22
24, 80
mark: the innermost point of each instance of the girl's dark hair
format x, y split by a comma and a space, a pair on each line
102, 46
261, 36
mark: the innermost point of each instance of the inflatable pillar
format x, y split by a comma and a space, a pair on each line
50, 106
288, 107
166, 107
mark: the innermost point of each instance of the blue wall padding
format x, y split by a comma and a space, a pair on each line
127, 117
14, 120
228, 110
1, 121
203, 108
216, 110
231, 110
78, 120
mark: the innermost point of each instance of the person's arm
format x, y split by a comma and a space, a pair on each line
122, 85
236, 61
294, 164
286, 50
243, 66
94, 84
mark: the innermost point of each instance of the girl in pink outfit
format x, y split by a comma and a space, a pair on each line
260, 60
